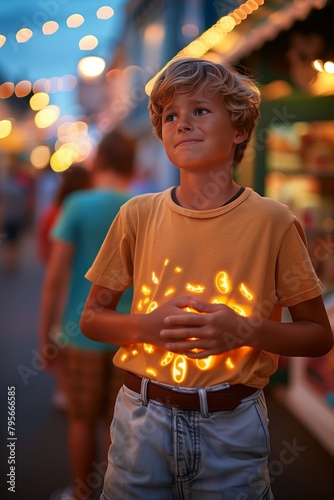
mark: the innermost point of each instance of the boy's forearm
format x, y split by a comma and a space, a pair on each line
299, 338
111, 327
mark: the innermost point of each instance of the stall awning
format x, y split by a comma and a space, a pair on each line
245, 29
262, 25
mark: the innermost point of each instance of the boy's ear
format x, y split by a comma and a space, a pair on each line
241, 136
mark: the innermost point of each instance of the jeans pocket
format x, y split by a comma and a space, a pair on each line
261, 400
261, 409
132, 396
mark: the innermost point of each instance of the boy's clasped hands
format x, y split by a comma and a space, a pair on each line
197, 329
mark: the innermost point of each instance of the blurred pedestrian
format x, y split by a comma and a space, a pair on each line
16, 190
46, 186
91, 380
75, 178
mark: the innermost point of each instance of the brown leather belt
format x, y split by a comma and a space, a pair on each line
224, 399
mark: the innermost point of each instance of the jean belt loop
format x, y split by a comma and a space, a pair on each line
203, 402
143, 390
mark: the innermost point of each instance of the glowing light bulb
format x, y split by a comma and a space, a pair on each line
91, 67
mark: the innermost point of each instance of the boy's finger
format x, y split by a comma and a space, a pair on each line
183, 302
205, 307
184, 320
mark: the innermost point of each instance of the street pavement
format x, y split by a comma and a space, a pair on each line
38, 448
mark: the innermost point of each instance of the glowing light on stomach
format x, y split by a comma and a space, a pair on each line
229, 363
167, 359
151, 307
195, 288
218, 301
222, 282
204, 364
154, 278
148, 348
245, 292
238, 309
141, 304
191, 310
220, 289
152, 372
179, 369
195, 350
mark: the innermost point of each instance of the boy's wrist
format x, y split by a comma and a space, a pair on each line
248, 331
139, 328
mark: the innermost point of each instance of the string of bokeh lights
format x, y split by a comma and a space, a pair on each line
73, 143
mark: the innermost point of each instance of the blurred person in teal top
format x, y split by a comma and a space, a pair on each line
91, 380
84, 223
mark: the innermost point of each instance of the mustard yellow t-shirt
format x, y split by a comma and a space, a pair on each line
249, 254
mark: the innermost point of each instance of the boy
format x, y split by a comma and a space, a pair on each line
212, 263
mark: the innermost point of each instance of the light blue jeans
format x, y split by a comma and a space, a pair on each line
163, 453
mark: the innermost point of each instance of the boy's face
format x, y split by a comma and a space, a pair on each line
197, 132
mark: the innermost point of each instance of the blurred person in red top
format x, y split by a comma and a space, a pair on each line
77, 177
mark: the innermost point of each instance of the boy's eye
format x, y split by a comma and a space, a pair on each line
170, 118
201, 111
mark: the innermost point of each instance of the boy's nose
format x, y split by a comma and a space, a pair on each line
184, 123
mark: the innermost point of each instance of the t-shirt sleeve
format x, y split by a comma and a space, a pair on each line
113, 265
67, 226
296, 278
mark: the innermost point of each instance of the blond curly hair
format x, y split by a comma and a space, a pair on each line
239, 93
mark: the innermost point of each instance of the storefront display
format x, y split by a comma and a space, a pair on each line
310, 391
294, 163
